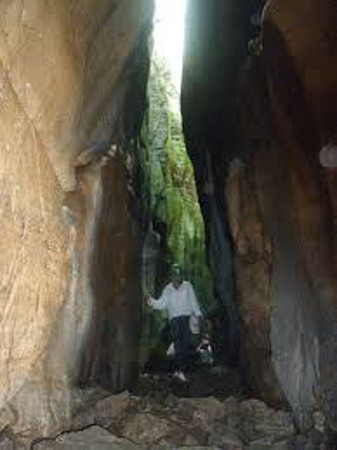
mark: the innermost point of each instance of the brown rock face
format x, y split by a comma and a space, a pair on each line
277, 225
253, 263
283, 208
69, 246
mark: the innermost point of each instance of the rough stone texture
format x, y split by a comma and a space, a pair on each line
281, 204
171, 423
214, 49
202, 412
303, 228
225, 440
6, 444
70, 238
252, 420
146, 429
174, 423
266, 444
259, 420
253, 254
108, 412
289, 202
93, 437
154, 257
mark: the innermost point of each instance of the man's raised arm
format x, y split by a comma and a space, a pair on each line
161, 303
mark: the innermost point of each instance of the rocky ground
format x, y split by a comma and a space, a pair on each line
165, 414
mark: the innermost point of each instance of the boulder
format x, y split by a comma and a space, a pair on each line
261, 421
92, 437
253, 420
225, 439
268, 444
146, 429
202, 413
108, 412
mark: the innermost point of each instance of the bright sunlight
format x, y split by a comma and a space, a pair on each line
169, 35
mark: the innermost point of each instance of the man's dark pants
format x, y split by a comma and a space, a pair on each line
182, 340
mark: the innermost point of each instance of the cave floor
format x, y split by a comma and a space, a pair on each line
210, 411
218, 381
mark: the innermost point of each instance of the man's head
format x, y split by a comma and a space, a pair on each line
176, 275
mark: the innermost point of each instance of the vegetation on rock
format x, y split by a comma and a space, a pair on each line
175, 232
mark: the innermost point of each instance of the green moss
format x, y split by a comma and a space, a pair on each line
186, 233
175, 229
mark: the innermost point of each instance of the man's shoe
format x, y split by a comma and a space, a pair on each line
181, 377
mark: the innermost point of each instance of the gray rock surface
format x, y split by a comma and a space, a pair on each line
185, 423
91, 438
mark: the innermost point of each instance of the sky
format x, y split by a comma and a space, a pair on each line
169, 35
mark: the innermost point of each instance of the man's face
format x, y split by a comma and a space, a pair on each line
176, 281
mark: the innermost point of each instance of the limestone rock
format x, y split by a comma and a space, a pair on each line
109, 411
225, 439
146, 424
70, 286
186, 422
260, 421
6, 444
253, 420
277, 222
146, 429
280, 210
93, 437
268, 444
201, 412
285, 171
158, 430
253, 259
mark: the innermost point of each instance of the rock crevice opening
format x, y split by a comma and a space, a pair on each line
75, 205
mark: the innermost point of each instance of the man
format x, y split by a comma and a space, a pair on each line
179, 301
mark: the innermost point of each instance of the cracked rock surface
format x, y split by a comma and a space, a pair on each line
126, 421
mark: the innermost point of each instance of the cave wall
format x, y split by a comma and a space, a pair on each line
154, 257
278, 200
215, 36
73, 92
303, 233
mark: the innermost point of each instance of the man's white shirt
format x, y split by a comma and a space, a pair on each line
177, 302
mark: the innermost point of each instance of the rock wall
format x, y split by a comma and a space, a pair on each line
214, 50
280, 201
72, 95
303, 231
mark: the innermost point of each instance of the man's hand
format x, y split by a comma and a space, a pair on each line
147, 298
